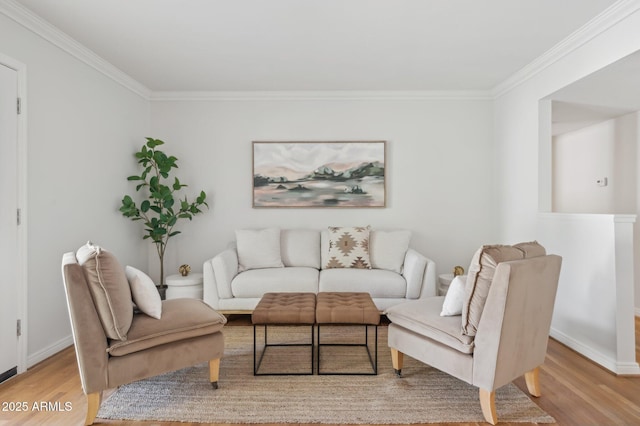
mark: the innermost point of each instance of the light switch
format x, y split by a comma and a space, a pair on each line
602, 181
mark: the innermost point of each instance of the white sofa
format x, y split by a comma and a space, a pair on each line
398, 273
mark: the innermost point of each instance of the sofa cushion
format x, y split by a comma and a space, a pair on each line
258, 248
181, 319
110, 292
388, 249
376, 282
348, 247
300, 247
257, 282
144, 292
480, 274
423, 317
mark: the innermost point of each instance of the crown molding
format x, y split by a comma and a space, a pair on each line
295, 95
50, 33
596, 26
611, 16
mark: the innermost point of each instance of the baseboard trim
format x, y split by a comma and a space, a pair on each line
628, 369
618, 368
44, 353
587, 351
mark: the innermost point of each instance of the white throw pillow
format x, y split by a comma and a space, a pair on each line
454, 299
144, 292
86, 252
258, 248
388, 249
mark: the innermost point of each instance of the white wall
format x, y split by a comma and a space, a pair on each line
517, 129
82, 130
581, 157
440, 162
592, 312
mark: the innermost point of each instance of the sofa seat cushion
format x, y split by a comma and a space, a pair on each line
379, 283
257, 282
423, 317
181, 319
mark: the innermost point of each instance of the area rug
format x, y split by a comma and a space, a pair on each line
422, 395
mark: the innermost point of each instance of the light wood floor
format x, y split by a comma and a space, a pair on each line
575, 391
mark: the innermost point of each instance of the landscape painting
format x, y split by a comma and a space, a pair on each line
319, 174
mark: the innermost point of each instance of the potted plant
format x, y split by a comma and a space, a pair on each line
160, 209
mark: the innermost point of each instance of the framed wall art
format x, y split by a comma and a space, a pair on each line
319, 174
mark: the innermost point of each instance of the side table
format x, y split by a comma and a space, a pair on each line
189, 286
444, 280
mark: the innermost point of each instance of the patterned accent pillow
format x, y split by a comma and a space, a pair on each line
349, 247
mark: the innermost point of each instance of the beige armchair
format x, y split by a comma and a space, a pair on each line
511, 337
188, 333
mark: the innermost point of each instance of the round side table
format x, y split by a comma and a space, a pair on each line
444, 280
189, 286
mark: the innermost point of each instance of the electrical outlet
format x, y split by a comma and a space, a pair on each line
602, 181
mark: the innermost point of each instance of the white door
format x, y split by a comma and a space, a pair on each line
8, 222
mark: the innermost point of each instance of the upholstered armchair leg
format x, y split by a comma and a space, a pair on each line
533, 381
214, 372
397, 359
488, 404
93, 404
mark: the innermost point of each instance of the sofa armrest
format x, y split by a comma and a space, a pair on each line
218, 273
420, 273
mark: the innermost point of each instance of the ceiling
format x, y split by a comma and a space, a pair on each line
610, 92
260, 45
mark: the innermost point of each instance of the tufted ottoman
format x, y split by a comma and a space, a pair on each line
348, 309
283, 309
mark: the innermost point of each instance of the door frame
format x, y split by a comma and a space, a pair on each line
22, 270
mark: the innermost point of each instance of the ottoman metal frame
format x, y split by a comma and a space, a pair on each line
372, 360
353, 309
283, 309
256, 365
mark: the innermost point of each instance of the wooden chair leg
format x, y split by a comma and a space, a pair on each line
488, 404
93, 405
533, 381
397, 359
214, 372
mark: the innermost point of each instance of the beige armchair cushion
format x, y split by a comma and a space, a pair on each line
423, 317
531, 249
110, 291
181, 319
481, 272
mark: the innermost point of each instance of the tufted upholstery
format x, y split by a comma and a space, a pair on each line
346, 308
285, 308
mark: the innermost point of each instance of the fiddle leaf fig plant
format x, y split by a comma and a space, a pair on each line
161, 208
